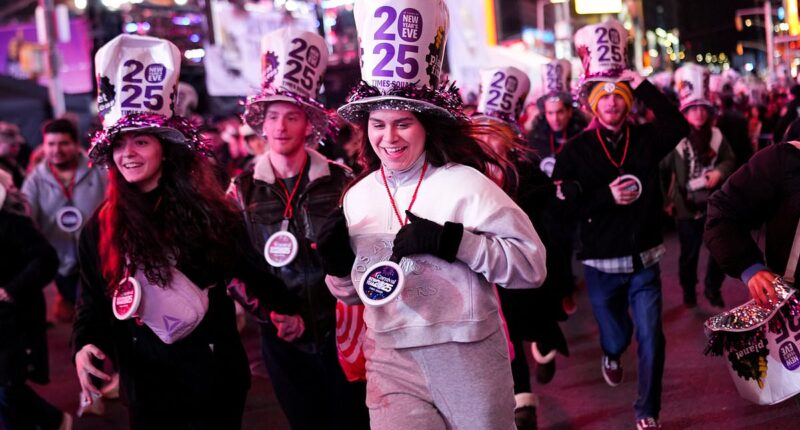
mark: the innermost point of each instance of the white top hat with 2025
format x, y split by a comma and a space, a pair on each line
402, 48
503, 93
603, 49
137, 81
293, 64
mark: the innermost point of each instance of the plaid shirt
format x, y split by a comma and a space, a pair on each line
625, 264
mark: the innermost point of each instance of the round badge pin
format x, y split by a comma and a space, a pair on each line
280, 249
547, 165
636, 186
69, 219
381, 283
126, 299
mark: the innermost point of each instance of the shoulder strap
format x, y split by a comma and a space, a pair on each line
791, 265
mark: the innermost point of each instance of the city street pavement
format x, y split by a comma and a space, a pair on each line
698, 391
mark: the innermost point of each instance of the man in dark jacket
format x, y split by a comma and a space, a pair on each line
764, 191
286, 197
609, 177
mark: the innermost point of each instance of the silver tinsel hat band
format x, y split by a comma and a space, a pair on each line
443, 101
176, 130
743, 322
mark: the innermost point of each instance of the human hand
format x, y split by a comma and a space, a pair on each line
422, 236
712, 178
633, 77
290, 327
762, 288
623, 191
85, 369
4, 296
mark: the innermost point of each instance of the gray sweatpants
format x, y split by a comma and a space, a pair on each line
458, 386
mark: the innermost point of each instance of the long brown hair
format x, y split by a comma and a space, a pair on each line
191, 213
445, 142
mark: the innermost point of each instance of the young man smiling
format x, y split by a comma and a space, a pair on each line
285, 197
609, 177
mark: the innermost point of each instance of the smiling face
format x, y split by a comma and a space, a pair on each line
397, 137
286, 127
138, 157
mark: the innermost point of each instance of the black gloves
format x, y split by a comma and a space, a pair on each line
422, 236
333, 245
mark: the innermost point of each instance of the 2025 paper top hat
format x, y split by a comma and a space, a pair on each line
293, 64
402, 48
137, 81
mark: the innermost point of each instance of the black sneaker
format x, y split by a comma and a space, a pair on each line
525, 418
714, 298
612, 371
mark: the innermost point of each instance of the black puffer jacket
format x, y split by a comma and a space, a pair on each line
264, 201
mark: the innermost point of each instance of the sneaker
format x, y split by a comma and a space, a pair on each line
648, 423
612, 371
545, 372
525, 411
714, 298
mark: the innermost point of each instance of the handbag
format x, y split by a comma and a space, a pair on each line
762, 346
172, 312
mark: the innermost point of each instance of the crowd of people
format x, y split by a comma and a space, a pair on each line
400, 254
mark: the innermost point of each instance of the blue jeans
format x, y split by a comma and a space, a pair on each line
610, 295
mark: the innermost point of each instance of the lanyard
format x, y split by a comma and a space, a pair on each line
413, 196
624, 151
66, 190
553, 150
288, 212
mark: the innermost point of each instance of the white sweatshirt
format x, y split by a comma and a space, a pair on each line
441, 302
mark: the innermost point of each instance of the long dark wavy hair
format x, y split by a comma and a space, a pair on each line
192, 216
445, 142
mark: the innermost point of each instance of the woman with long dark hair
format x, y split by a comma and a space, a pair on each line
420, 239
154, 260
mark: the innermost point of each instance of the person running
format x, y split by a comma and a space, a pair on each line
609, 177
421, 237
285, 198
154, 257
694, 169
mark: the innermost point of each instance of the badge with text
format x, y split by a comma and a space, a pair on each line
126, 299
381, 283
635, 185
280, 249
69, 219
